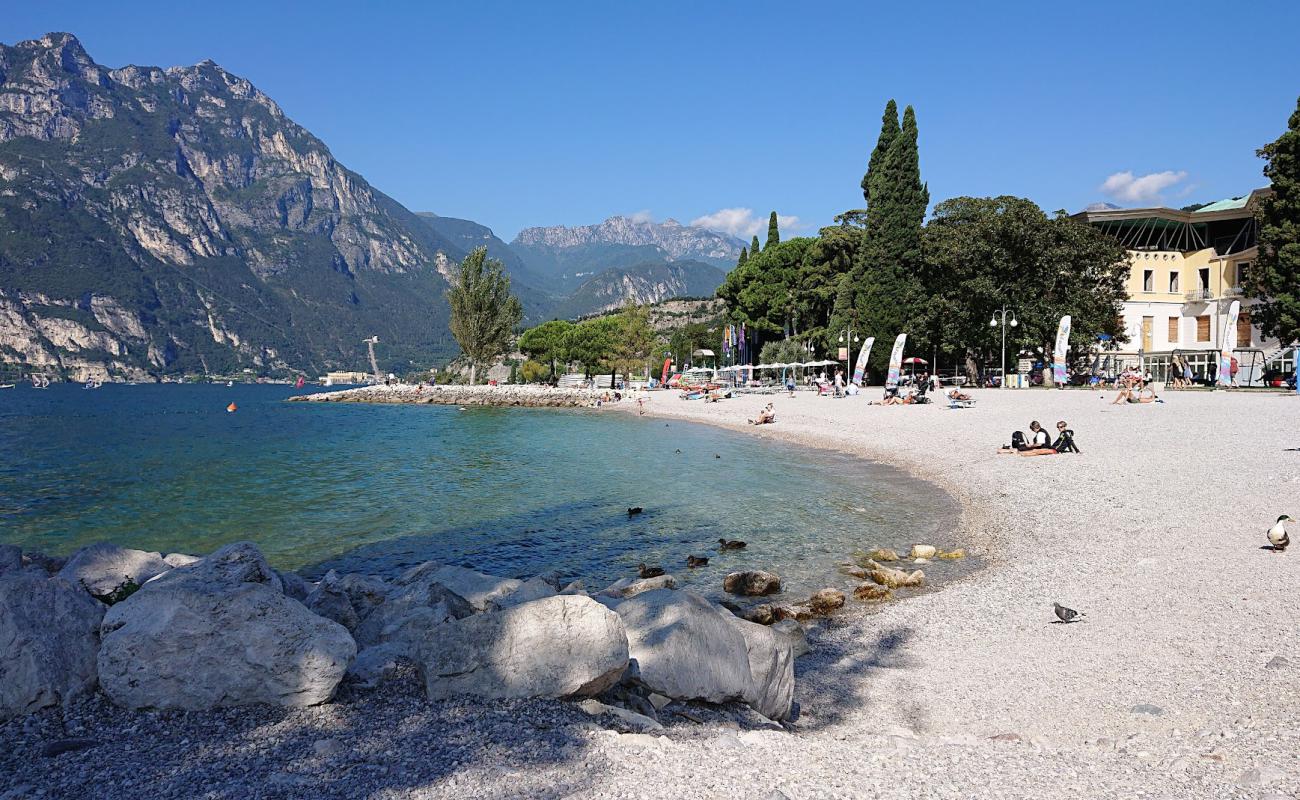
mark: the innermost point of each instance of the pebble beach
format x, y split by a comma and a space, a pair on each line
1176, 684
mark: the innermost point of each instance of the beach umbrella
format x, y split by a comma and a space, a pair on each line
914, 360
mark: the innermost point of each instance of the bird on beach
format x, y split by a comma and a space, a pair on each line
634, 510
730, 544
1277, 534
649, 572
697, 561
1067, 614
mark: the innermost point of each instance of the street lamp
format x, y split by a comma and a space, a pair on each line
1002, 320
848, 338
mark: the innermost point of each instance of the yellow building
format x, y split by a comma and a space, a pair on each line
1187, 268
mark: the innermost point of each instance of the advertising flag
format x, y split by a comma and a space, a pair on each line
860, 368
1059, 353
896, 361
1229, 339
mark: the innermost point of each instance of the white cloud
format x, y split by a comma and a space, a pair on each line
1147, 188
643, 215
741, 222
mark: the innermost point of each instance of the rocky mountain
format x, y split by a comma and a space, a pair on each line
673, 240
643, 283
176, 220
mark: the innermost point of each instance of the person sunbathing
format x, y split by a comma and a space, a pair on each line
954, 394
765, 417
1130, 395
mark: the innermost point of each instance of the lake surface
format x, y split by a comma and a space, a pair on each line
376, 488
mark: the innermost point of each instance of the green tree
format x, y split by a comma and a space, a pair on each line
773, 234
763, 294
881, 296
533, 371
824, 275
1275, 276
547, 343
591, 343
984, 252
744, 256
753, 246
783, 351
483, 311
635, 339
875, 166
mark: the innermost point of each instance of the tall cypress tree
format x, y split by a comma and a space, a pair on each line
1275, 277
773, 235
744, 256
888, 131
880, 296
753, 246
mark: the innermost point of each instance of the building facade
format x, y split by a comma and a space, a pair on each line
1187, 267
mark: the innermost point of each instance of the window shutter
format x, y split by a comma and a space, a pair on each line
1203, 328
1173, 330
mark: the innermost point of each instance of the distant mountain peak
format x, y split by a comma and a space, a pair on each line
1101, 207
677, 241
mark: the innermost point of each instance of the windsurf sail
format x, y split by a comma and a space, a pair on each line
301, 382
663, 377
896, 361
860, 368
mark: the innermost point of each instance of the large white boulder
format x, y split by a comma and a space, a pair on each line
684, 647
480, 590
104, 566
534, 588
220, 632
771, 667
561, 646
330, 600
49, 633
415, 604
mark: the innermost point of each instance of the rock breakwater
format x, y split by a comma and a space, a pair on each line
522, 396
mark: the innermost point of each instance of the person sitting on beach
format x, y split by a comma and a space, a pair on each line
891, 398
1064, 439
765, 417
1038, 439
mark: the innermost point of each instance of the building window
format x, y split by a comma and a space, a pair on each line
1203, 275
1243, 330
1243, 273
1173, 283
1173, 328
1203, 328
1148, 280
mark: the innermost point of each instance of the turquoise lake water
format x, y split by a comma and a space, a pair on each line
379, 488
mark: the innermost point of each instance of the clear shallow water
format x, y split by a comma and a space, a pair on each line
378, 488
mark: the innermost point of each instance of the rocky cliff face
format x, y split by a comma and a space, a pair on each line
645, 283
675, 240
171, 220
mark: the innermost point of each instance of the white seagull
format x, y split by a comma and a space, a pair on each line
1277, 534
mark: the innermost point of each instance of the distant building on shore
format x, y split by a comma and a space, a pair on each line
342, 378
1186, 269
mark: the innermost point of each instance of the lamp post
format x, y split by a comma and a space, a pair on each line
1002, 320
848, 338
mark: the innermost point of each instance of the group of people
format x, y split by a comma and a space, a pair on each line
1039, 442
1133, 388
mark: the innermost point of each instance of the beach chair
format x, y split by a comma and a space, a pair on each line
954, 403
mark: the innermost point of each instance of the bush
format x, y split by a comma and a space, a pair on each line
533, 371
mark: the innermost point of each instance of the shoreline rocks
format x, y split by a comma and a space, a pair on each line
453, 395
218, 633
751, 583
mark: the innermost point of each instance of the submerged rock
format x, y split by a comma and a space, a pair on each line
104, 566
217, 633
882, 554
49, 629
952, 555
923, 551
824, 601
895, 578
872, 592
561, 646
753, 583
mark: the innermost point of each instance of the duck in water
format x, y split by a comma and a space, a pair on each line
730, 544
649, 572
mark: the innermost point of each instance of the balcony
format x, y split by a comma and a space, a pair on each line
1234, 291
1198, 295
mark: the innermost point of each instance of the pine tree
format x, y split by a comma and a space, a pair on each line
744, 256
773, 235
1275, 276
753, 246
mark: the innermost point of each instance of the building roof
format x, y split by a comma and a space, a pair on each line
1230, 204
1231, 208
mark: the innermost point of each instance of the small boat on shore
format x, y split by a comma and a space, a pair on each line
6, 385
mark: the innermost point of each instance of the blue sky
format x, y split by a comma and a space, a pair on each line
566, 113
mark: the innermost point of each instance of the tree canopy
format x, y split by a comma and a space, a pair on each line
547, 343
1275, 276
483, 311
